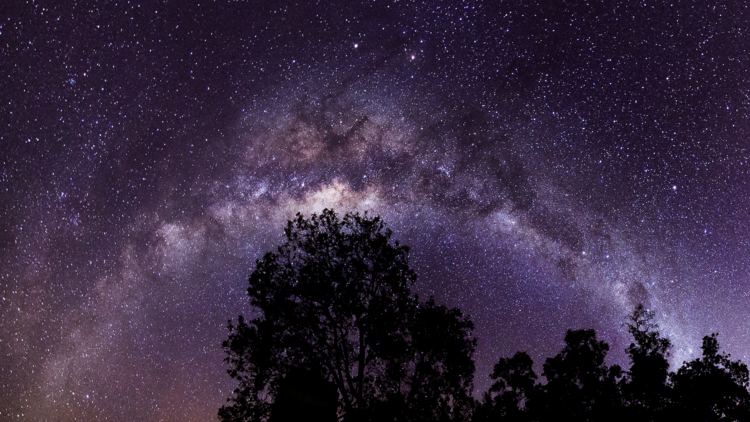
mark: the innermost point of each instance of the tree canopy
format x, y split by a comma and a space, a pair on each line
337, 334
580, 386
646, 389
712, 387
334, 299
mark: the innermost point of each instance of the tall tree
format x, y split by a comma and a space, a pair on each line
335, 299
712, 387
513, 392
580, 386
646, 389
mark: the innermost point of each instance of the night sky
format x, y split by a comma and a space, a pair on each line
551, 164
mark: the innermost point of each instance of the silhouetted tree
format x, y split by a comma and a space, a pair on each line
580, 386
335, 299
712, 387
441, 382
646, 389
511, 396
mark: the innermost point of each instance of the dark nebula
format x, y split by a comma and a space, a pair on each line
550, 164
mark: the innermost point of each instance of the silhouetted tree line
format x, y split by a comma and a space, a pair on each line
340, 336
580, 386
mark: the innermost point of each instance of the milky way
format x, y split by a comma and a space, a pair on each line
550, 166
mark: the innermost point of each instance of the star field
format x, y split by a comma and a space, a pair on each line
550, 164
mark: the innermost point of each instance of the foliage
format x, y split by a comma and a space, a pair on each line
334, 303
441, 381
512, 394
712, 387
646, 389
335, 299
580, 386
